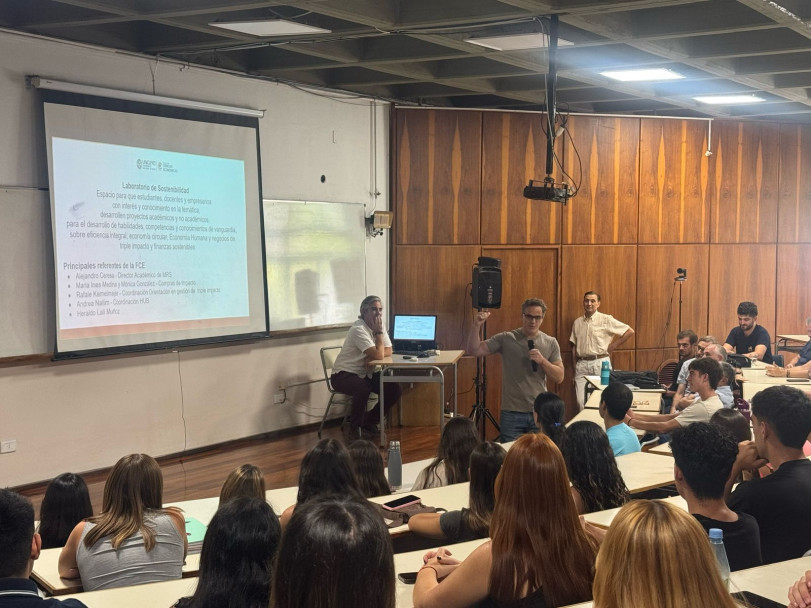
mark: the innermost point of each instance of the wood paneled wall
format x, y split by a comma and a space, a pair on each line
651, 200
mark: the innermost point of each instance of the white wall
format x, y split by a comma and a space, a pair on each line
83, 415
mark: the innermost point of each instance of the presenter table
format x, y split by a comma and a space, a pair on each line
428, 369
46, 572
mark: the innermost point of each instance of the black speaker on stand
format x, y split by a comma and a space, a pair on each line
485, 293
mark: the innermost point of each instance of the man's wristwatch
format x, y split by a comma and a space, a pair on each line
378, 333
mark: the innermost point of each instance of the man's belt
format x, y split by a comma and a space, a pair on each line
592, 357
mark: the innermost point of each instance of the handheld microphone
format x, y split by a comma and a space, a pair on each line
531, 345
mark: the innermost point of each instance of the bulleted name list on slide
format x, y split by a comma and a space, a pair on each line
151, 247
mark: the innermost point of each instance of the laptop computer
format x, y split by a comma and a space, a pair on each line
411, 334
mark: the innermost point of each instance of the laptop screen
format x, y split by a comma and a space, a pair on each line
416, 328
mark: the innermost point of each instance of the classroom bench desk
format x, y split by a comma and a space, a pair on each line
770, 581
642, 471
592, 415
412, 561
428, 369
46, 573
603, 519
159, 595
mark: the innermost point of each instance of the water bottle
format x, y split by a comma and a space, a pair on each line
395, 466
605, 373
717, 543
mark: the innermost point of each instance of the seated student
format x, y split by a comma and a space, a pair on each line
704, 374
597, 484
704, 454
656, 554
735, 422
727, 385
66, 503
799, 594
134, 540
614, 405
335, 552
549, 412
749, 338
19, 547
238, 550
367, 463
781, 420
474, 522
457, 441
245, 480
325, 470
539, 554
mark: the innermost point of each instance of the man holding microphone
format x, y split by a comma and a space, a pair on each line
528, 356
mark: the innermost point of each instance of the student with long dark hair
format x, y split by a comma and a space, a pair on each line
597, 484
473, 522
539, 554
66, 503
456, 443
367, 463
325, 471
335, 553
237, 556
134, 540
549, 413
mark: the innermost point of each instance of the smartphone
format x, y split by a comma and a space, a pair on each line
797, 380
409, 578
756, 601
398, 503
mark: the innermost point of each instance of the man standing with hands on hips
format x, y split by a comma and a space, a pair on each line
594, 337
528, 358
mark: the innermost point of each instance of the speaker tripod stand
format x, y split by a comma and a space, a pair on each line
480, 414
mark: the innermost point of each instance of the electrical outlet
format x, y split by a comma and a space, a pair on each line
7, 446
278, 397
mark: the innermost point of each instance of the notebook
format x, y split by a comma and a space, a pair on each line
413, 333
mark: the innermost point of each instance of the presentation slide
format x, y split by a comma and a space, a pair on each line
153, 244
414, 327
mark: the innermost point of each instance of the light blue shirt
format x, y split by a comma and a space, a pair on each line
623, 440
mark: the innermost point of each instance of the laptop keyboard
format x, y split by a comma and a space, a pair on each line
420, 354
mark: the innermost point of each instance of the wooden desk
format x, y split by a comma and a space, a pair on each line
797, 342
412, 561
160, 595
603, 519
46, 573
428, 369
642, 471
643, 401
592, 415
770, 581
662, 450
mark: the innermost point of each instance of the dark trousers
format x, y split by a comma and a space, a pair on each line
359, 389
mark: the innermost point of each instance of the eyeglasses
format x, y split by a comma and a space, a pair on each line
534, 318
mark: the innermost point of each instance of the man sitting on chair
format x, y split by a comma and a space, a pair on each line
800, 365
352, 375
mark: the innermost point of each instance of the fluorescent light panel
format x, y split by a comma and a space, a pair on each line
270, 27
517, 42
728, 99
642, 75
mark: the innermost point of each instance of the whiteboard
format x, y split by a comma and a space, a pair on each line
26, 273
315, 260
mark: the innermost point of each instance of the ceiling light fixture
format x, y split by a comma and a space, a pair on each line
516, 42
643, 75
726, 100
270, 27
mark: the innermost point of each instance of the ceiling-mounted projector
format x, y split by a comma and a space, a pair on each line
548, 191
